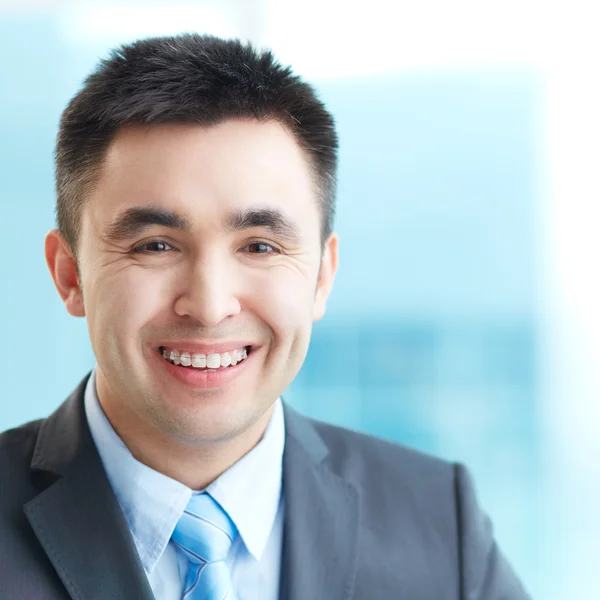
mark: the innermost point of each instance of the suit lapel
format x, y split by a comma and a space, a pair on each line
77, 519
321, 519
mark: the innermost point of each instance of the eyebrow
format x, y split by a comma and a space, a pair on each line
135, 221
268, 218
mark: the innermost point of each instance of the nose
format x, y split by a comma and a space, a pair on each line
207, 293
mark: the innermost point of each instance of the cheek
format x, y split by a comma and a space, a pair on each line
284, 301
123, 304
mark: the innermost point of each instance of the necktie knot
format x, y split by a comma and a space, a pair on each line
204, 533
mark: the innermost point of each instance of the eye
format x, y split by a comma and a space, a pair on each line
262, 248
153, 247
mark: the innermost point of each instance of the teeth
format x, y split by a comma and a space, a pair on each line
198, 361
202, 361
213, 361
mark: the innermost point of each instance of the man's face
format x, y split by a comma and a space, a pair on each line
201, 239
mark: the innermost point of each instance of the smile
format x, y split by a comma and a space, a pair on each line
207, 362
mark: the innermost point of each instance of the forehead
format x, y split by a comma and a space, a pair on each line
206, 172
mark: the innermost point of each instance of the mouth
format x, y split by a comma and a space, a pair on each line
210, 371
208, 363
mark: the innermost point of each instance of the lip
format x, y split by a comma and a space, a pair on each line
205, 348
202, 379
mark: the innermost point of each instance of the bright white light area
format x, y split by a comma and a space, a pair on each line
337, 38
569, 220
116, 23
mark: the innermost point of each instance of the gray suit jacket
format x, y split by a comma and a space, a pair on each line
365, 520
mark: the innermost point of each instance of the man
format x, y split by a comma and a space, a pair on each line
195, 200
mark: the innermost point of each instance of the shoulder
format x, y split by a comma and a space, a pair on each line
16, 451
407, 499
18, 443
386, 471
422, 510
17, 483
358, 449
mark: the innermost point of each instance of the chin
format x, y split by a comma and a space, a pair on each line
208, 422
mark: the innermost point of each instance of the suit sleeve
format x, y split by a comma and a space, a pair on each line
485, 573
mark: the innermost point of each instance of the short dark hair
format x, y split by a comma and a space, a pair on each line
189, 78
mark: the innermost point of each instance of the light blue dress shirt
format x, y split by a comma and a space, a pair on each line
250, 491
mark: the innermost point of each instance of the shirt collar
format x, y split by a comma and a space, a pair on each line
152, 503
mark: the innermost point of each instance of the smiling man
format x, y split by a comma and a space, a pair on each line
195, 201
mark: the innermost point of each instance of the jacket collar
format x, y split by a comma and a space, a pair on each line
63, 435
322, 515
77, 519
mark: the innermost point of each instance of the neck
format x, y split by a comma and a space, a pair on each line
194, 466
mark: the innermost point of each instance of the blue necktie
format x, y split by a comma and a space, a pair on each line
204, 533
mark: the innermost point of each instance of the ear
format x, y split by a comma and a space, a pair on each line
329, 264
63, 268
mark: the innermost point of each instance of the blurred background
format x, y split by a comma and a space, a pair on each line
464, 321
